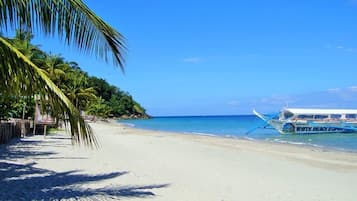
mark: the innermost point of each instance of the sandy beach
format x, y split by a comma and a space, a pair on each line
150, 165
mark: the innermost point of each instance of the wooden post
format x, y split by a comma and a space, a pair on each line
22, 123
44, 130
34, 128
36, 98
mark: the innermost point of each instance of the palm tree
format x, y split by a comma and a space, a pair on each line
78, 91
73, 22
22, 42
55, 68
98, 108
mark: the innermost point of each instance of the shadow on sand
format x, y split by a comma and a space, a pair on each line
26, 182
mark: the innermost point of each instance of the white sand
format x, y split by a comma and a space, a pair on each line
137, 164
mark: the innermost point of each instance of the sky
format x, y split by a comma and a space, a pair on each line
227, 57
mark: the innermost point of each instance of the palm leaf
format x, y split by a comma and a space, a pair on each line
71, 20
15, 69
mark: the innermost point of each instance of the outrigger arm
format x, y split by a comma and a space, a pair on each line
264, 118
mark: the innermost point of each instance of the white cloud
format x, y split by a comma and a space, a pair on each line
347, 49
344, 94
192, 60
277, 100
333, 90
353, 88
345, 97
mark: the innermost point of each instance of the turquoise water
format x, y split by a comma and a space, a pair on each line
238, 126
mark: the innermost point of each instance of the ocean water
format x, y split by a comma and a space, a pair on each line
238, 126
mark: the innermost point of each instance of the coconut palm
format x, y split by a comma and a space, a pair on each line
22, 42
98, 108
77, 90
55, 68
73, 22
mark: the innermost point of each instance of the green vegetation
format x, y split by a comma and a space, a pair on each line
74, 23
89, 94
16, 106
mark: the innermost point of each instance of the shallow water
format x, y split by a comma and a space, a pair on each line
238, 126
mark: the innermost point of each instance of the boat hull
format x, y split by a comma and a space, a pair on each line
309, 127
286, 127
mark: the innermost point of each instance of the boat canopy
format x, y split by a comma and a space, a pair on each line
319, 111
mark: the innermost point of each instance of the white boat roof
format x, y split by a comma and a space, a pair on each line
320, 111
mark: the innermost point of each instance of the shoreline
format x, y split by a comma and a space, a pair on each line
243, 139
137, 163
316, 156
297, 144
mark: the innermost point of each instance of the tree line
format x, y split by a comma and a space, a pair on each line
76, 25
89, 94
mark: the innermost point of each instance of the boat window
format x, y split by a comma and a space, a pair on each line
305, 116
288, 115
336, 116
321, 116
350, 116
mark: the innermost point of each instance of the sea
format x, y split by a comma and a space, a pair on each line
247, 127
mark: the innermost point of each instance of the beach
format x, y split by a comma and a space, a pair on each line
141, 164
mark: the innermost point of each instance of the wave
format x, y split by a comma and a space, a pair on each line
295, 143
199, 133
128, 124
249, 138
236, 127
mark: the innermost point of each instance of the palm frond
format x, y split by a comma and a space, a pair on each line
72, 20
16, 70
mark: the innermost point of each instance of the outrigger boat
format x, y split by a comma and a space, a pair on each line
309, 121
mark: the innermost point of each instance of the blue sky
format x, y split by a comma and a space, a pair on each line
228, 57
